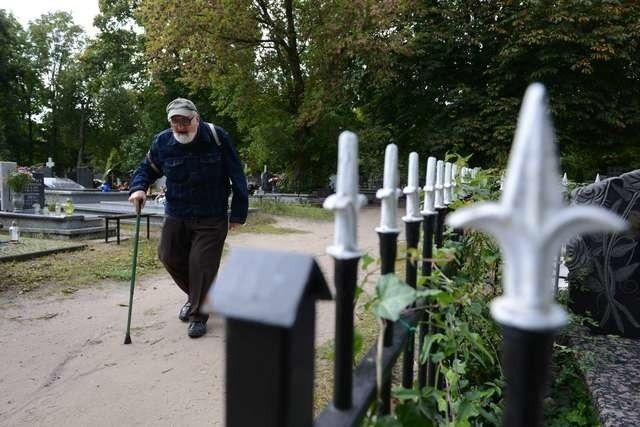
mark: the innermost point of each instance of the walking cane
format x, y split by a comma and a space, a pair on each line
127, 339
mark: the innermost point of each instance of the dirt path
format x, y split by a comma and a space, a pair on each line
64, 364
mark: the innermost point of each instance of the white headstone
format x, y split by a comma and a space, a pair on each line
530, 222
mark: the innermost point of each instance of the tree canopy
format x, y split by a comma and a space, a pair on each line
285, 77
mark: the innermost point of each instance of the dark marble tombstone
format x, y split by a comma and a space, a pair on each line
264, 181
604, 273
84, 177
34, 191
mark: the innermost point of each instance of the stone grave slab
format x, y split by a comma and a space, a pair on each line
56, 183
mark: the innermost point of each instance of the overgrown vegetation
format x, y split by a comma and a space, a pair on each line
464, 342
569, 402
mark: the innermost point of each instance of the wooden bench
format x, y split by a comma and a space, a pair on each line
117, 218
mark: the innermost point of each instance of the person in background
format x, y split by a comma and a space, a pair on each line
201, 167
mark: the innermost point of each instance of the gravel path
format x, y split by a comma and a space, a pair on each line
64, 364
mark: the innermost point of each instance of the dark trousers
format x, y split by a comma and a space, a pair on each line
190, 250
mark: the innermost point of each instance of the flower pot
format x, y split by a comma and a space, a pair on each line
18, 201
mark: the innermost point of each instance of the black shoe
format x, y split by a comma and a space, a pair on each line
197, 328
184, 312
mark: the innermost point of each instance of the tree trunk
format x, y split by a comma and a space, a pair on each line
81, 136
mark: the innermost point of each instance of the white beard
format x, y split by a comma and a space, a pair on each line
184, 138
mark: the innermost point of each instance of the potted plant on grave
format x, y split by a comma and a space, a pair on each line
17, 182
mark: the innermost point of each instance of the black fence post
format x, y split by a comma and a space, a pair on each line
439, 232
525, 362
412, 230
412, 221
270, 311
426, 370
345, 203
346, 277
388, 236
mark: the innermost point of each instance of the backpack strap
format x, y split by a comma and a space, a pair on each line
215, 134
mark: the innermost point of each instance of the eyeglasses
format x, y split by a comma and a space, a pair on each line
180, 121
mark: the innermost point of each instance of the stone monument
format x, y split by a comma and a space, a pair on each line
5, 169
604, 273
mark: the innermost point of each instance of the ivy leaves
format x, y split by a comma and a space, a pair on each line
392, 297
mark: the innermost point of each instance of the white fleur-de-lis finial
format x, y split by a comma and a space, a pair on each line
530, 222
429, 188
597, 178
346, 201
447, 184
565, 180
389, 192
412, 191
454, 183
439, 199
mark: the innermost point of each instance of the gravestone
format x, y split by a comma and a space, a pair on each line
604, 273
34, 191
5, 169
48, 169
264, 180
84, 177
62, 184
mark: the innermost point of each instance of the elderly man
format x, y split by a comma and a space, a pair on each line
201, 166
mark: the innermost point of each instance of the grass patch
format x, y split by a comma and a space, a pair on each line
366, 327
262, 223
68, 272
28, 245
293, 210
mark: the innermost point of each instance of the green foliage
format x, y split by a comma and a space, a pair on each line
281, 69
286, 77
392, 297
569, 403
294, 210
18, 180
463, 340
461, 87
